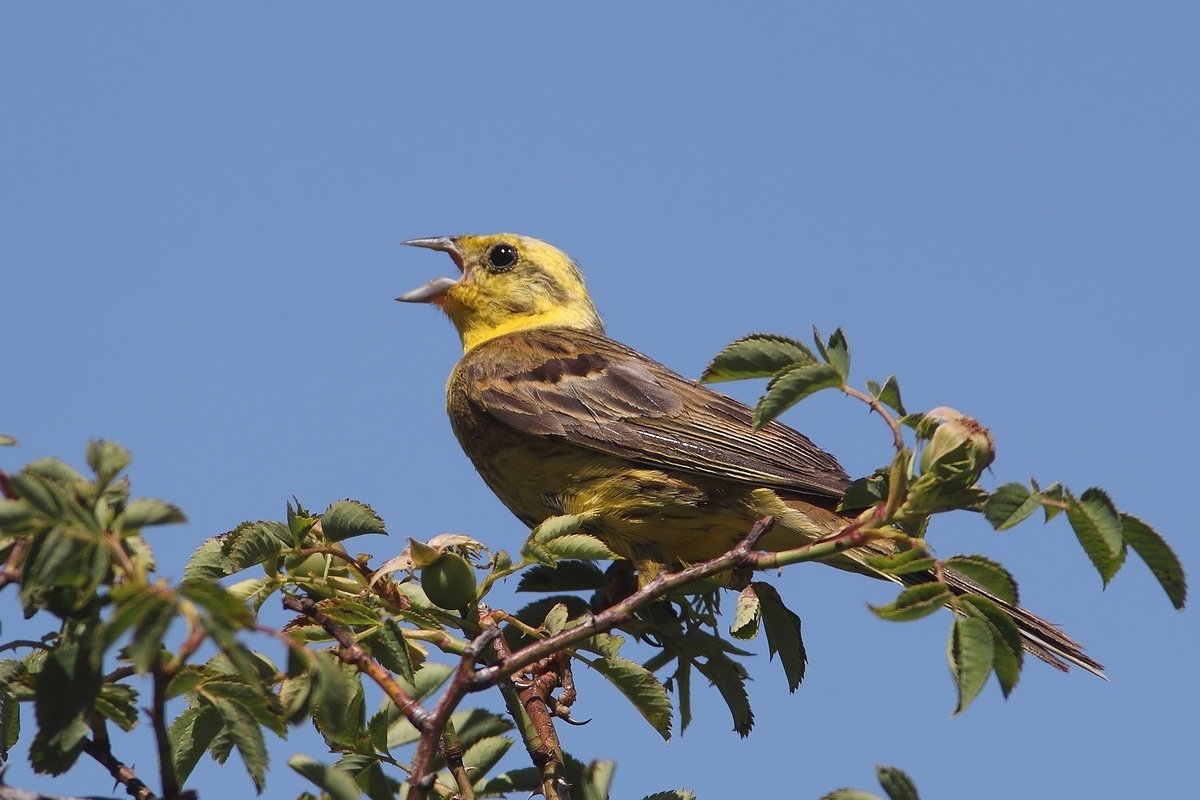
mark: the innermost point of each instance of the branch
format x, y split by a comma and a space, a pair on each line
351, 652
98, 748
422, 776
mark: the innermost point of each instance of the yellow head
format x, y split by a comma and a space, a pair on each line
509, 283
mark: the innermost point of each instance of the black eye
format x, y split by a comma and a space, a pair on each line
502, 257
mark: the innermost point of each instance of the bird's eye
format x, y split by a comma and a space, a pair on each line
502, 257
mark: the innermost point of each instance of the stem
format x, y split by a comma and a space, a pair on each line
98, 748
351, 652
11, 573
878, 407
452, 753
422, 776
158, 717
741, 555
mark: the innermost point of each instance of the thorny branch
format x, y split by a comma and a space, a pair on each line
351, 652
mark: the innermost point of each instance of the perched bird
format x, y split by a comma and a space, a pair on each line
559, 419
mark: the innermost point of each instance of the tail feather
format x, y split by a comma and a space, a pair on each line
1040, 638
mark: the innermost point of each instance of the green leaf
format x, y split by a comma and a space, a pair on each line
866, 491
730, 679
987, 573
146, 511
117, 702
148, 636
672, 794
480, 757
970, 653
641, 688
889, 395
253, 542
579, 546
7, 441
783, 634
1009, 656
347, 518
850, 794
915, 602
790, 387
897, 785
476, 724
13, 512
746, 615
1098, 529
1054, 491
565, 576
836, 352
44, 495
209, 562
556, 619
1010, 504
1159, 557
758, 355
107, 459
10, 721
338, 784
190, 735
388, 647
904, 562
553, 527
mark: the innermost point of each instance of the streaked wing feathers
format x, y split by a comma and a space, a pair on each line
599, 394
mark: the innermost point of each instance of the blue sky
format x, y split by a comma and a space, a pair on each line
199, 214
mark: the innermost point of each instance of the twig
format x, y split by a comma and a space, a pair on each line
98, 749
422, 775
351, 652
452, 753
529, 705
158, 718
877, 407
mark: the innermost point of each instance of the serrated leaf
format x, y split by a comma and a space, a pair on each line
782, 626
553, 527
790, 387
338, 784
347, 518
970, 653
253, 542
1097, 526
915, 602
190, 735
10, 722
148, 636
475, 724
988, 574
556, 619
836, 351
579, 546
43, 495
641, 688
1056, 492
1009, 657
673, 794
13, 512
850, 794
758, 355
746, 615
107, 459
208, 563
897, 784
730, 679
146, 511
1010, 504
1159, 557
865, 492
480, 757
904, 562
889, 395
388, 647
565, 576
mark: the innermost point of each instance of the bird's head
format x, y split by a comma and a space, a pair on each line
509, 283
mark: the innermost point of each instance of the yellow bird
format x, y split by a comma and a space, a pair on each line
559, 419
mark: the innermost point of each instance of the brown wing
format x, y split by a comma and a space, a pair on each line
599, 394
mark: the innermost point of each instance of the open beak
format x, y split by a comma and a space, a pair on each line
430, 292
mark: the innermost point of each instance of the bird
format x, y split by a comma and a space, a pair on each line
557, 418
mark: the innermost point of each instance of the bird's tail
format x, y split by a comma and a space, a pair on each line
1039, 638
